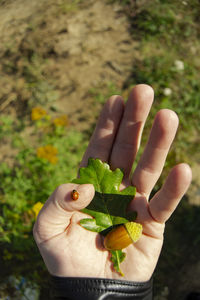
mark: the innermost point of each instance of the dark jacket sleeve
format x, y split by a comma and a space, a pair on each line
73, 288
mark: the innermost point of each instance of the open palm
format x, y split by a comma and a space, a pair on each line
70, 250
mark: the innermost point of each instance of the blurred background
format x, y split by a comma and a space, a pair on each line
59, 63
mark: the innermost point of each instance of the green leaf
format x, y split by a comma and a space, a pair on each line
117, 257
104, 180
109, 205
90, 224
109, 209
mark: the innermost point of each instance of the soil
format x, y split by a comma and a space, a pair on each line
84, 47
53, 54
69, 48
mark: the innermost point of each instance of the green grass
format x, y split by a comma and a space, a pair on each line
26, 180
167, 32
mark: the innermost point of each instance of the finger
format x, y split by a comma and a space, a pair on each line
56, 213
165, 201
128, 137
152, 161
101, 142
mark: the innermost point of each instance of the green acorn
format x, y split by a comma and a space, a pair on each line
122, 236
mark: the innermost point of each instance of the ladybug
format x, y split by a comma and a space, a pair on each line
74, 195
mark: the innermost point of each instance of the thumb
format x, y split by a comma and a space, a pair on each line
63, 196
56, 213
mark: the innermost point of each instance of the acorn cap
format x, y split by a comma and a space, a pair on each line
134, 230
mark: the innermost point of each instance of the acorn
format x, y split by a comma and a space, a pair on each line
122, 236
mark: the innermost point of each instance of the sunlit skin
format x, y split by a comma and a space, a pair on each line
70, 250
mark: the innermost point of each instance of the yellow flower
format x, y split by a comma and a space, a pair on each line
38, 113
61, 121
36, 208
48, 152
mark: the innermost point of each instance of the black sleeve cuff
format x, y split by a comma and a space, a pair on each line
78, 288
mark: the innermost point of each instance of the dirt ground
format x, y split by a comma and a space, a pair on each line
85, 47
57, 52
65, 49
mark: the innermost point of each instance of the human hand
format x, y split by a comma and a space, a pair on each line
71, 251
